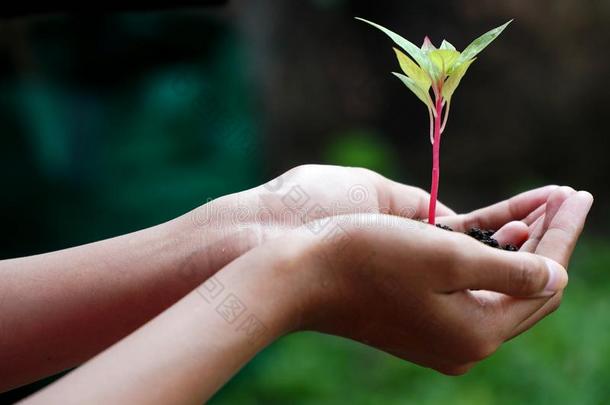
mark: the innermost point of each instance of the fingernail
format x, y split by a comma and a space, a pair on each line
557, 277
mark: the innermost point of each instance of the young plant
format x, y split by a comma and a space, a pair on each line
440, 70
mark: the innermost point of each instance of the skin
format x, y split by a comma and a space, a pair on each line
140, 274
385, 284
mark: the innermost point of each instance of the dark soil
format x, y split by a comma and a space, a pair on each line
483, 236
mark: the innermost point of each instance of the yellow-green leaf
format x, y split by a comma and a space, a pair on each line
480, 43
454, 80
412, 50
446, 45
413, 71
424, 96
443, 58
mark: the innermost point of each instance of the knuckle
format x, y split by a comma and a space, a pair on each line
522, 277
422, 192
366, 172
300, 168
424, 198
371, 175
471, 220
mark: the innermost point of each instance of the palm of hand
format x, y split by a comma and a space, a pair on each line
451, 331
545, 221
548, 226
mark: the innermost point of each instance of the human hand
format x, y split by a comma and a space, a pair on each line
551, 230
236, 223
407, 288
309, 192
436, 298
554, 235
225, 228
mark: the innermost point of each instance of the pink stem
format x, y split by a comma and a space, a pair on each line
435, 161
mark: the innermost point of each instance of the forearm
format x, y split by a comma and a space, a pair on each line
61, 308
187, 353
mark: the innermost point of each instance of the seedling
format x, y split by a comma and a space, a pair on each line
440, 69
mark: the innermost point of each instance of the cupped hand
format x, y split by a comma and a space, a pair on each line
554, 235
433, 297
309, 193
407, 288
229, 226
551, 230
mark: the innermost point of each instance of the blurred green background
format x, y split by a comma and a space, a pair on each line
119, 121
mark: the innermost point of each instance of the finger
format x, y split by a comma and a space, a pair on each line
558, 243
411, 202
564, 229
511, 287
496, 215
535, 310
552, 206
554, 202
523, 313
441, 209
515, 208
513, 273
534, 215
536, 230
514, 233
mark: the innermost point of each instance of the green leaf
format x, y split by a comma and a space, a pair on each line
443, 59
421, 94
454, 80
417, 54
480, 43
413, 71
446, 45
427, 46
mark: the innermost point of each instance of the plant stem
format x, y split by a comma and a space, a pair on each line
435, 160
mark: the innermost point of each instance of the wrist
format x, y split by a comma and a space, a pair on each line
278, 281
306, 274
213, 235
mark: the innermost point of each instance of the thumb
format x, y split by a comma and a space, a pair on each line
518, 274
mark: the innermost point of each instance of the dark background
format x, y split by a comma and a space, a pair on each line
111, 122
